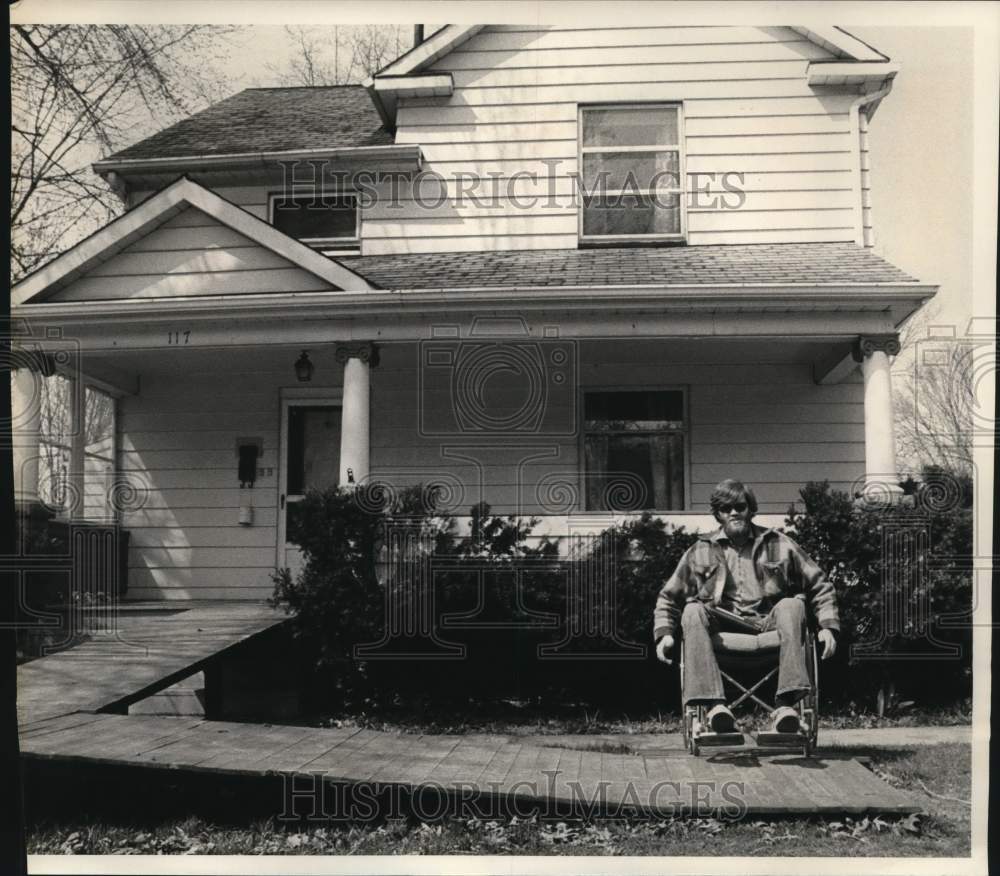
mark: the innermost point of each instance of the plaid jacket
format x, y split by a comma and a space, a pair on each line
782, 568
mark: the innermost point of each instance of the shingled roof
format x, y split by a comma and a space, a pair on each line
769, 264
270, 120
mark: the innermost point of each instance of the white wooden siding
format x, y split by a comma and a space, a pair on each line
191, 254
765, 422
178, 442
747, 111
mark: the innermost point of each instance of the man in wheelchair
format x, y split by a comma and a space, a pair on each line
748, 579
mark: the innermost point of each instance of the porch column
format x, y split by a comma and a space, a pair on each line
357, 360
29, 370
873, 352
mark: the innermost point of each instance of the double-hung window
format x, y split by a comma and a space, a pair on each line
55, 443
57, 485
323, 219
631, 170
98, 455
634, 446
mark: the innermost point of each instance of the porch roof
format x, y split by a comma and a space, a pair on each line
727, 265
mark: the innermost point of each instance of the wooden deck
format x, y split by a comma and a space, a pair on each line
468, 769
154, 645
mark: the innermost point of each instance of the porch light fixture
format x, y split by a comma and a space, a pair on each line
304, 368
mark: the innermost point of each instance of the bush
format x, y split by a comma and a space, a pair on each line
336, 601
499, 595
893, 605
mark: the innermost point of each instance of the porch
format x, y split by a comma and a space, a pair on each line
205, 524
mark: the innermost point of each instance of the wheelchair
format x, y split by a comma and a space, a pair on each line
738, 655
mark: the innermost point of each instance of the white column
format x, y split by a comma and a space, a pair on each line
356, 415
26, 389
880, 446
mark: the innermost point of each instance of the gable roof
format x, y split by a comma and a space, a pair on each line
835, 40
270, 120
842, 44
780, 264
404, 74
165, 204
436, 46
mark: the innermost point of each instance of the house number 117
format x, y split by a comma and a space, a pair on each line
178, 338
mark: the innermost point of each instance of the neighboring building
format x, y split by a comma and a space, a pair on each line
572, 357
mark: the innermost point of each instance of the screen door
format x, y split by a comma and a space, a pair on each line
310, 459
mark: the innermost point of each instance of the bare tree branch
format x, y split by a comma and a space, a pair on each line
79, 92
325, 56
934, 399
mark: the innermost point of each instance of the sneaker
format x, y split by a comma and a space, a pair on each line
785, 720
720, 719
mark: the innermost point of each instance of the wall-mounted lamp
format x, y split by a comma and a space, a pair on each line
304, 368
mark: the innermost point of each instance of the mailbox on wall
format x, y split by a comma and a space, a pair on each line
248, 452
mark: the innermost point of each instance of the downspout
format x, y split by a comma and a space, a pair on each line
863, 232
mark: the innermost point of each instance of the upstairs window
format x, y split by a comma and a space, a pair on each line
630, 173
634, 450
325, 220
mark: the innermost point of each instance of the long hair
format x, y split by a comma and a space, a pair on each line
728, 492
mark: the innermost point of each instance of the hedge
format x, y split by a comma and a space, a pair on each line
501, 594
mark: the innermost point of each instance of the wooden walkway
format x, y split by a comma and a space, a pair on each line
152, 646
460, 768
73, 705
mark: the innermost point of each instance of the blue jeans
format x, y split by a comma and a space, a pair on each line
702, 680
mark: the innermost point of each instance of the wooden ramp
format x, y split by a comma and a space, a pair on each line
558, 780
149, 647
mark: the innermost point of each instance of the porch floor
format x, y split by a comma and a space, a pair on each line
147, 647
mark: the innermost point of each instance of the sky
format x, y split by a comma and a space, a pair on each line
922, 160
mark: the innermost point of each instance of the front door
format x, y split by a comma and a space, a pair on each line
310, 459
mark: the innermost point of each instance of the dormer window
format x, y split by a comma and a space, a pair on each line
631, 167
324, 220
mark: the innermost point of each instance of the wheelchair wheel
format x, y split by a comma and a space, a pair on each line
814, 735
810, 703
685, 716
689, 714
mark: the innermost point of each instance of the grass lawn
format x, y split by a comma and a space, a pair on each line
939, 775
520, 718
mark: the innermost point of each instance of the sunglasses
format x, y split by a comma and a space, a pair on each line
738, 507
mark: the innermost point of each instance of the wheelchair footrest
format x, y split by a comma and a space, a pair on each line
711, 739
793, 740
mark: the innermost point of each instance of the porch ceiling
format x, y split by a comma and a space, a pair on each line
123, 371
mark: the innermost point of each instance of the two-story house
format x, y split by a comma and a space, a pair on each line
573, 272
